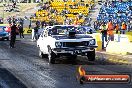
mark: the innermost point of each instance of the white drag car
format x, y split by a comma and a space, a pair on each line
66, 41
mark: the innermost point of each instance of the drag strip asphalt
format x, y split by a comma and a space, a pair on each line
25, 64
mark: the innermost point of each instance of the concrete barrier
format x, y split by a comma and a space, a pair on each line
97, 36
121, 45
121, 38
129, 37
99, 42
122, 48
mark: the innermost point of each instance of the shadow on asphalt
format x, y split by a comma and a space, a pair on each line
7, 80
78, 61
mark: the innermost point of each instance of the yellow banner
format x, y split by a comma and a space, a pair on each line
27, 31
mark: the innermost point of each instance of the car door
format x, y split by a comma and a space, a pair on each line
43, 41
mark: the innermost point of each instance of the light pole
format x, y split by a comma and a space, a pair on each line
65, 13
3, 12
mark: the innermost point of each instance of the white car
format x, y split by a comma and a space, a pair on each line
66, 41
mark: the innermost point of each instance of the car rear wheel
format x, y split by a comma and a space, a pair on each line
51, 56
91, 55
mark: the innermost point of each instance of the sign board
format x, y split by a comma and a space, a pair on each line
27, 31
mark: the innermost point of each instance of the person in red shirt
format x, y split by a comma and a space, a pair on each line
110, 29
123, 28
117, 28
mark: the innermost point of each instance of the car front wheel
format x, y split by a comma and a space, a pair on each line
42, 55
51, 56
91, 55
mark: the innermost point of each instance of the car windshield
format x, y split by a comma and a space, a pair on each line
80, 30
63, 30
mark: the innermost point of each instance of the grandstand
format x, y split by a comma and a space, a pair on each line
59, 11
115, 11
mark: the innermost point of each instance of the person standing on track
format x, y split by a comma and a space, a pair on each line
103, 31
36, 35
110, 33
13, 35
123, 28
20, 28
110, 29
117, 28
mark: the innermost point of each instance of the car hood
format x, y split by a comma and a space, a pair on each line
79, 36
3, 32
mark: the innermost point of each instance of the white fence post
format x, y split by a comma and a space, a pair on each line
33, 34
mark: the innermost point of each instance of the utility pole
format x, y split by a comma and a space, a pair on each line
65, 13
3, 12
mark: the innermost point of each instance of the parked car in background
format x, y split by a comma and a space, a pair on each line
3, 33
7, 28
